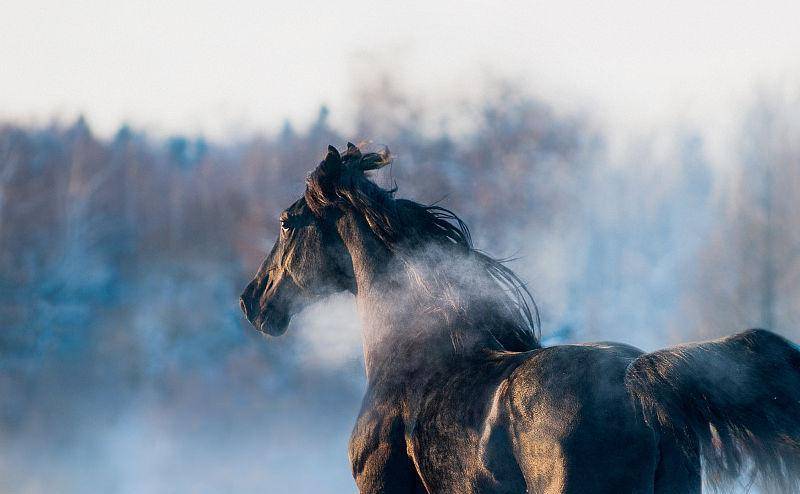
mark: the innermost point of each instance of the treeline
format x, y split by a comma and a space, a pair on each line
86, 222
121, 259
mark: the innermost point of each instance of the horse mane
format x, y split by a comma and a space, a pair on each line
404, 227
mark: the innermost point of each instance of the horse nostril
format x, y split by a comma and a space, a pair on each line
243, 306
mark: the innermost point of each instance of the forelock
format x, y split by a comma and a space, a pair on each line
340, 177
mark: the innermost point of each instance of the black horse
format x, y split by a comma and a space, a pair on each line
461, 396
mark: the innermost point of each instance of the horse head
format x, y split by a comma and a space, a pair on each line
309, 260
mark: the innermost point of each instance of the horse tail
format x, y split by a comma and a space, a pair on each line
737, 399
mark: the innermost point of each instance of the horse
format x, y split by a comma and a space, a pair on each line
461, 395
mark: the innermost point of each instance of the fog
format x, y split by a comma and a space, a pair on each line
125, 364
222, 68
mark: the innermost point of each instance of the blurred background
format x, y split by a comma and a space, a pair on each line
640, 160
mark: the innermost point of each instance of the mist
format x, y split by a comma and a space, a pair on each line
125, 364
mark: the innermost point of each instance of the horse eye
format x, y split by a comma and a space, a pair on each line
284, 226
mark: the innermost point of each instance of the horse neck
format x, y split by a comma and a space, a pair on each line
400, 332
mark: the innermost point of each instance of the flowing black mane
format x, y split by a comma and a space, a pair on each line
405, 227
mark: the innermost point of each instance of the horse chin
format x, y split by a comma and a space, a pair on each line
274, 325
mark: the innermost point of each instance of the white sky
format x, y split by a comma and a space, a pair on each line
216, 67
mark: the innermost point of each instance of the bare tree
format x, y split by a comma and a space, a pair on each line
750, 272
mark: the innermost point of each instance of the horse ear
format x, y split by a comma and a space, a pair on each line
321, 183
352, 151
332, 163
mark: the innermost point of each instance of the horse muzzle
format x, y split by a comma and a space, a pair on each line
273, 323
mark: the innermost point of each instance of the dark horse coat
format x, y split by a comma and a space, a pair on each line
461, 397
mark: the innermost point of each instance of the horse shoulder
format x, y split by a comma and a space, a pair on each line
378, 453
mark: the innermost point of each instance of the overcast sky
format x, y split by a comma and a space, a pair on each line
217, 67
